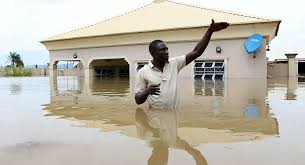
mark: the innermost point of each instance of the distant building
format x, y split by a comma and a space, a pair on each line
119, 46
280, 68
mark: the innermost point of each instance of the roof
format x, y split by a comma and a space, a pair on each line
286, 60
160, 15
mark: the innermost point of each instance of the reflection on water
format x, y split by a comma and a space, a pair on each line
209, 87
109, 86
204, 106
251, 110
217, 122
15, 89
286, 89
159, 128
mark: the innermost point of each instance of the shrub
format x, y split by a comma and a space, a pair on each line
16, 71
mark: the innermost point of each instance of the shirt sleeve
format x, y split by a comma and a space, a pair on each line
140, 84
181, 62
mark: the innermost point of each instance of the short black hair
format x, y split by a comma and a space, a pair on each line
153, 45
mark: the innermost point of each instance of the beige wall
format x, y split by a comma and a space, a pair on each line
278, 69
40, 72
238, 63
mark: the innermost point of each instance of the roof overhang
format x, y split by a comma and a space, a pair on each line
188, 34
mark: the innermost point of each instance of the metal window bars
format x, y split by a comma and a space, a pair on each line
209, 69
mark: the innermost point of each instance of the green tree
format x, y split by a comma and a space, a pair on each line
15, 59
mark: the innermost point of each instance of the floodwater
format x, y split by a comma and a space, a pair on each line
70, 120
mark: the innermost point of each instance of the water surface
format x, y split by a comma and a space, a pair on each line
70, 120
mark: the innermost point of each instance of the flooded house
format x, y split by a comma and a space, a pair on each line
118, 47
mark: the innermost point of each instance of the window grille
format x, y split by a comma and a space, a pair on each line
209, 70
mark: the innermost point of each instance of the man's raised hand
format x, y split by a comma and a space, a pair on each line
214, 27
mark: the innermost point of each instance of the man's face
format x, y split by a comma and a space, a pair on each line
161, 53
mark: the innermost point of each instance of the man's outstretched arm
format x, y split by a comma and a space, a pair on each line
203, 43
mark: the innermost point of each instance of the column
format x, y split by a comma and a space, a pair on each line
292, 85
88, 77
292, 65
53, 80
132, 75
292, 75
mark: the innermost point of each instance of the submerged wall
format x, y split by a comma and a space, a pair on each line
277, 69
238, 64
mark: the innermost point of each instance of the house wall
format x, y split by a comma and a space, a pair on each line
277, 69
40, 72
238, 64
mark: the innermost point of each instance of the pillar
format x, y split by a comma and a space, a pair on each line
292, 75
291, 88
53, 79
292, 65
132, 75
88, 77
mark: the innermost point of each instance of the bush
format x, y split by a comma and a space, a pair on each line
16, 71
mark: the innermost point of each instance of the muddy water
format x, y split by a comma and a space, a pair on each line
70, 120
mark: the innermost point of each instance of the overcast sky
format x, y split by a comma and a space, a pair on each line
25, 22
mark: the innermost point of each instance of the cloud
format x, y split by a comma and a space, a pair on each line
34, 20
24, 23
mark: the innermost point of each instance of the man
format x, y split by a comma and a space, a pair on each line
157, 81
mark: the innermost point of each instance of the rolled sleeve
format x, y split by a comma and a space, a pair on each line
140, 84
181, 62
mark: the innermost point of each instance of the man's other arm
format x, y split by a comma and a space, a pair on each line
141, 97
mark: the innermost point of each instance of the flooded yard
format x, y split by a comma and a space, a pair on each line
70, 120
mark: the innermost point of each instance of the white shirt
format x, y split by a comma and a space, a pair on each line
150, 75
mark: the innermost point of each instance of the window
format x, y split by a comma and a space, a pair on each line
209, 69
208, 64
198, 64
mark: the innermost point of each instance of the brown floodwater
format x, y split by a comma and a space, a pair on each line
70, 120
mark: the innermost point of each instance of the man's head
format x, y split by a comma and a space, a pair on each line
159, 51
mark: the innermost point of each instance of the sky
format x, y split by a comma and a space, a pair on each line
26, 22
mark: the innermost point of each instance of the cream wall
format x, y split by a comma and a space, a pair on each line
278, 69
238, 63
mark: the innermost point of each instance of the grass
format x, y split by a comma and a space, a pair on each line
17, 72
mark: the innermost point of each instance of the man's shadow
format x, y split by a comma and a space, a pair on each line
159, 128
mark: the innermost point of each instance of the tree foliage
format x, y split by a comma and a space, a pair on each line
15, 59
